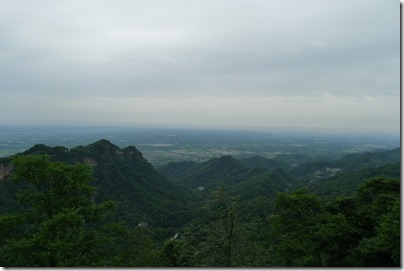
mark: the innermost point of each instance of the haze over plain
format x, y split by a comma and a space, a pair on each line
245, 64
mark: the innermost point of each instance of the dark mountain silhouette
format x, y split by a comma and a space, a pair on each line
166, 198
123, 175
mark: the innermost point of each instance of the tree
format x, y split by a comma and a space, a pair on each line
293, 227
388, 233
377, 219
60, 224
219, 240
361, 230
224, 208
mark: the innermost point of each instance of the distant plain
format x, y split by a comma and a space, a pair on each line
163, 145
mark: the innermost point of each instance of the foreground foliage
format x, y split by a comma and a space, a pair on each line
360, 230
59, 224
302, 231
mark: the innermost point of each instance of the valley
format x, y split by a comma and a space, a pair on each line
179, 198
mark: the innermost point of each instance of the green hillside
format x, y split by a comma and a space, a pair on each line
258, 161
349, 162
257, 176
218, 171
123, 175
346, 183
224, 212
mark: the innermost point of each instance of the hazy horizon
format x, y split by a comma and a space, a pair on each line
276, 131
308, 66
159, 144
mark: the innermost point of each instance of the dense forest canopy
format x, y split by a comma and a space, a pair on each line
103, 206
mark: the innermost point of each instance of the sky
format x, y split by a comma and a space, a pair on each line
245, 64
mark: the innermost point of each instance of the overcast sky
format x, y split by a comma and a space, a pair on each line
253, 64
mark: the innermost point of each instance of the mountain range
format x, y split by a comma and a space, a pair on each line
167, 197
122, 175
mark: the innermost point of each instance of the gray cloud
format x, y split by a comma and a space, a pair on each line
85, 50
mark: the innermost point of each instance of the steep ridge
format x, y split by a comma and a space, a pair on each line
212, 173
258, 161
255, 187
226, 171
264, 177
293, 158
174, 170
123, 175
165, 198
261, 182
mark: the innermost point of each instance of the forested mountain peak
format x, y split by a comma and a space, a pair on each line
293, 158
259, 161
43, 149
102, 146
131, 150
103, 143
254, 199
106, 150
213, 172
125, 176
225, 161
